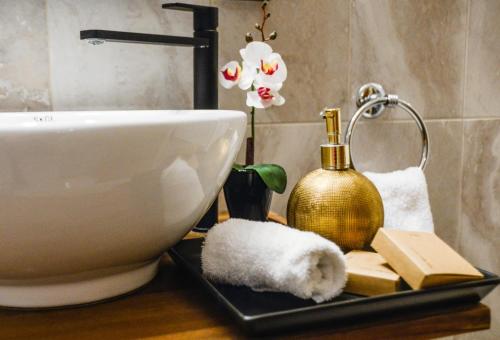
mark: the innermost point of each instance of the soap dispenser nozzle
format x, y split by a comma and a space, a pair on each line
332, 117
334, 155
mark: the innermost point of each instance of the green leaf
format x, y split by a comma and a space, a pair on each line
273, 175
238, 167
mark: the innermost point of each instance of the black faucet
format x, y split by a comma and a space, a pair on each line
205, 44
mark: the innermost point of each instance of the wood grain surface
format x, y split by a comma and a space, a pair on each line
174, 306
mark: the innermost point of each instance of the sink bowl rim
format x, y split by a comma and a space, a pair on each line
55, 120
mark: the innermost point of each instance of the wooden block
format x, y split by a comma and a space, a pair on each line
369, 274
423, 259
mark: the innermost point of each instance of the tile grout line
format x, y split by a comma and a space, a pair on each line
462, 152
387, 121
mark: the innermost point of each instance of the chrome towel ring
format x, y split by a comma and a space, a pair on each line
372, 100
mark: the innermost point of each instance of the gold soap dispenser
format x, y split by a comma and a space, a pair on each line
336, 201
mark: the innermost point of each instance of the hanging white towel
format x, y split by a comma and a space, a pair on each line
406, 200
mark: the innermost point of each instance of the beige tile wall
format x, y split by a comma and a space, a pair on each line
483, 58
82, 74
415, 48
441, 56
24, 59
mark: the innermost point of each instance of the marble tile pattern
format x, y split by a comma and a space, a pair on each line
480, 237
313, 41
24, 62
117, 75
415, 49
483, 54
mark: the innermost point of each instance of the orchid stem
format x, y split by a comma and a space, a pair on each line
250, 149
264, 19
252, 113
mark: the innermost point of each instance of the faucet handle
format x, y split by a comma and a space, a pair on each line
184, 7
205, 18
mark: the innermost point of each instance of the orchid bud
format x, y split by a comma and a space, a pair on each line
273, 35
248, 37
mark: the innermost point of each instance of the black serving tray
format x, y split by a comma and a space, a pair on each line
263, 312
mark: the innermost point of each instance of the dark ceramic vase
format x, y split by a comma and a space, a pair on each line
247, 196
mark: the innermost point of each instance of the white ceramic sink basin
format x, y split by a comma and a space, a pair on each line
90, 200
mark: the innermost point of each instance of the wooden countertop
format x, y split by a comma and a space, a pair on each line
174, 306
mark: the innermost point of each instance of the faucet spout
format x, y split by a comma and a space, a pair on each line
142, 38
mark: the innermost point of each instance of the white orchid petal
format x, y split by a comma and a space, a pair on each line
263, 78
248, 76
266, 103
255, 52
278, 99
226, 83
234, 70
275, 56
245, 82
253, 99
282, 72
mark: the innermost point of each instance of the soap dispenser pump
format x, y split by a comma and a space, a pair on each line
336, 201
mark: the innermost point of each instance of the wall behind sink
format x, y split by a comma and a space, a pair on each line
441, 56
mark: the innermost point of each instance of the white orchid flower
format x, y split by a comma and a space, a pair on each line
272, 70
270, 67
262, 70
230, 74
265, 96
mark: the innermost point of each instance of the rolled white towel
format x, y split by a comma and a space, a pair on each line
268, 256
405, 198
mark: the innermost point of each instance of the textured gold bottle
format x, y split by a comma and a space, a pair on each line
335, 201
